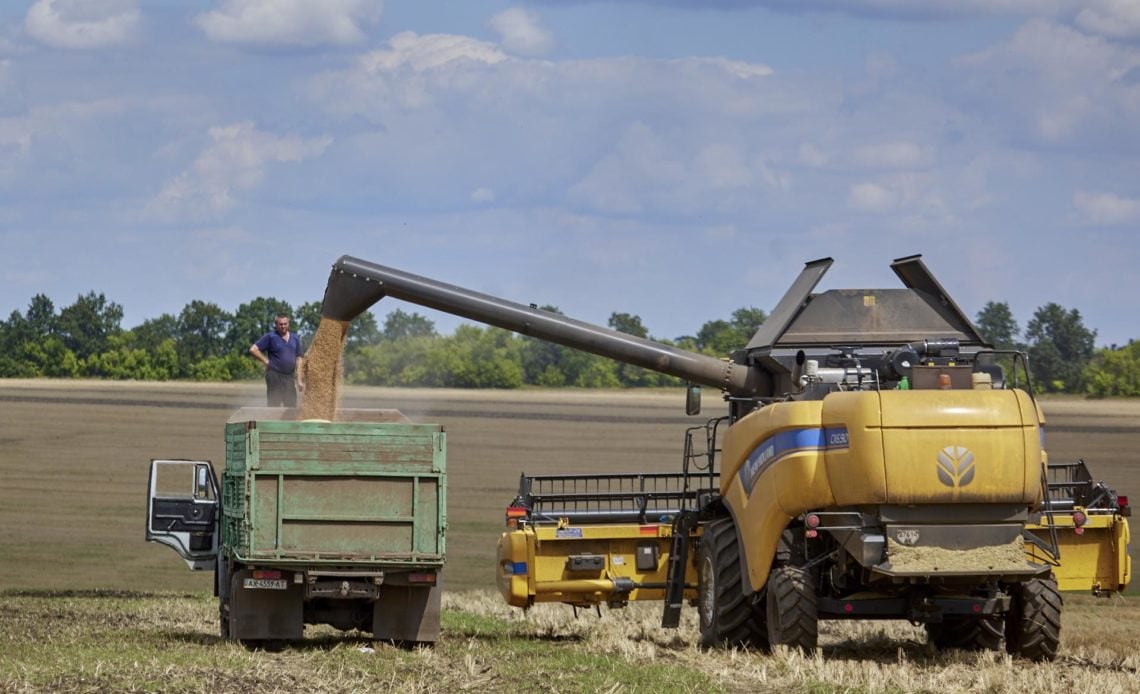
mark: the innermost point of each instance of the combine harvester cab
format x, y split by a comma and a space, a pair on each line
313, 522
877, 461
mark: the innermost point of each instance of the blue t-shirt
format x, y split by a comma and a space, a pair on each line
282, 355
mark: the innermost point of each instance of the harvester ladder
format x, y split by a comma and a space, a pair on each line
686, 521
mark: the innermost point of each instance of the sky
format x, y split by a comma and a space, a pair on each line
674, 160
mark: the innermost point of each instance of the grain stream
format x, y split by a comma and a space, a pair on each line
324, 365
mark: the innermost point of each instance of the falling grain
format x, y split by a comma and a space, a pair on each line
323, 367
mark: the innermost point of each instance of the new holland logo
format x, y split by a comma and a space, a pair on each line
955, 466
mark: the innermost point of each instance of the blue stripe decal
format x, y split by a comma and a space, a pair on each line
775, 448
519, 568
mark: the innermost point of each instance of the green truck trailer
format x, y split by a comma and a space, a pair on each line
313, 522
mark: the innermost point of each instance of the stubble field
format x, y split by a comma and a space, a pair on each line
76, 575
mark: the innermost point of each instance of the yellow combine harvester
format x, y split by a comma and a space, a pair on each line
876, 462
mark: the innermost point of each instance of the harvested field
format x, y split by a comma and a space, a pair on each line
75, 457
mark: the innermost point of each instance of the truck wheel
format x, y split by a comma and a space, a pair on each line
726, 613
966, 633
224, 620
1033, 625
793, 616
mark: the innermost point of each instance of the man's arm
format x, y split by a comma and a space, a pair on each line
258, 355
300, 372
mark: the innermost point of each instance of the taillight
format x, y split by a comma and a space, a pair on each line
1122, 505
421, 578
267, 575
1079, 518
811, 522
514, 513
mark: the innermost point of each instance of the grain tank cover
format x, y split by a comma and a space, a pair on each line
921, 311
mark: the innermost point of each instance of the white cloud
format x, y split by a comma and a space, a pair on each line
521, 32
1118, 19
1108, 209
430, 52
482, 195
872, 197
1053, 85
290, 22
235, 162
82, 24
899, 154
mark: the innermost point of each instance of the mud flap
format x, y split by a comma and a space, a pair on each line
265, 613
407, 614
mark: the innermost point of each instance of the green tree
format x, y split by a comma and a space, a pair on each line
996, 323
1060, 346
544, 363
482, 358
153, 332
627, 323
253, 319
628, 375
1114, 372
720, 338
399, 326
306, 319
362, 332
202, 329
41, 317
86, 325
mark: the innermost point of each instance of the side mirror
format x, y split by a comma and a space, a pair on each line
692, 399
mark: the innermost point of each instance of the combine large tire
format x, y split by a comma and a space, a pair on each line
793, 613
1033, 625
726, 613
966, 633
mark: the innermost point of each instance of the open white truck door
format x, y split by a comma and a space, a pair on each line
183, 510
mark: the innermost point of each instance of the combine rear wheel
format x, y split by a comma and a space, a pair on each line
966, 633
1033, 626
793, 616
727, 615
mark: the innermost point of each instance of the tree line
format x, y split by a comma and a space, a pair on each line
205, 342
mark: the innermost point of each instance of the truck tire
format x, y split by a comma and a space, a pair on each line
224, 620
793, 613
966, 633
727, 617
1033, 625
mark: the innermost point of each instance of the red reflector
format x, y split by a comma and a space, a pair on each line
1079, 531
977, 609
812, 520
268, 575
516, 511
421, 578
648, 530
1079, 518
848, 608
811, 533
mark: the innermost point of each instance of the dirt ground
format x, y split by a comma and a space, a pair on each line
74, 457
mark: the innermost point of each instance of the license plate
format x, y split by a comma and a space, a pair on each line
265, 583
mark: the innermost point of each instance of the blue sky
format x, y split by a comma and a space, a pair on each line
669, 159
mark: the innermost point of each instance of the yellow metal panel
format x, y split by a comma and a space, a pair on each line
515, 550
857, 473
1096, 559
548, 578
791, 481
959, 447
